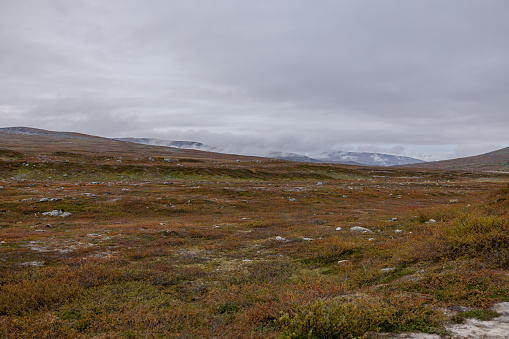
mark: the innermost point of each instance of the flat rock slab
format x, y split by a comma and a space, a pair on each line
497, 328
473, 328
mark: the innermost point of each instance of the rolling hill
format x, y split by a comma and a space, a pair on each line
497, 161
41, 142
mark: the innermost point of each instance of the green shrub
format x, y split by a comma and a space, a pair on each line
341, 318
473, 235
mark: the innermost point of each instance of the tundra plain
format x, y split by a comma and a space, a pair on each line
142, 245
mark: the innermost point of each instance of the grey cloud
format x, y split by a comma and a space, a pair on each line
258, 75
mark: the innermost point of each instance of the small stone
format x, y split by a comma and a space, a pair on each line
319, 183
432, 221
394, 219
388, 269
43, 200
278, 238
343, 261
371, 239
54, 213
32, 263
344, 196
338, 228
360, 229
307, 239
65, 214
398, 231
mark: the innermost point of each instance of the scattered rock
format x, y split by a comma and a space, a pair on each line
292, 200
54, 213
278, 238
459, 309
57, 213
503, 310
453, 201
371, 239
307, 239
319, 183
432, 221
344, 196
394, 219
360, 230
338, 228
388, 269
398, 231
32, 263
343, 261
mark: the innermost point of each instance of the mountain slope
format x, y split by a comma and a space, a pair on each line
492, 161
42, 142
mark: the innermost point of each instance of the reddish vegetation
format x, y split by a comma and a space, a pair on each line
238, 247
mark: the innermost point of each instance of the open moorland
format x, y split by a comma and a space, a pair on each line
143, 245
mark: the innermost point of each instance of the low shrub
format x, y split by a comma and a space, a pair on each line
473, 235
474, 288
351, 318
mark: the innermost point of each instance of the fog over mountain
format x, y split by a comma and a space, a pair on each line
422, 78
352, 158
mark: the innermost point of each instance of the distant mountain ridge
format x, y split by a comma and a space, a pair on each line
351, 158
339, 157
169, 143
373, 159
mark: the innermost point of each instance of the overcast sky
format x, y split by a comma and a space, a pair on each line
425, 78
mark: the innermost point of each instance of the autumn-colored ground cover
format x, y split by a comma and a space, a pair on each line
194, 248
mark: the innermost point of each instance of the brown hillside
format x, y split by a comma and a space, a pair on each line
492, 161
41, 142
